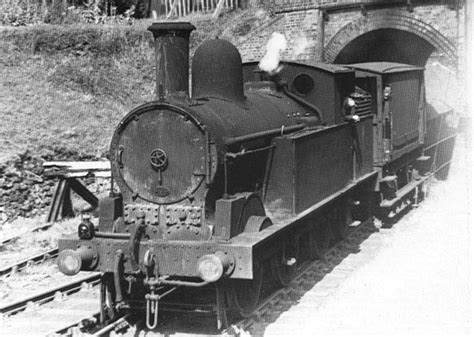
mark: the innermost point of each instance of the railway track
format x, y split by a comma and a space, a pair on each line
24, 263
16, 236
64, 312
65, 308
53, 310
35, 296
50, 294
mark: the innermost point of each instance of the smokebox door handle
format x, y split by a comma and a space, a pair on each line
119, 155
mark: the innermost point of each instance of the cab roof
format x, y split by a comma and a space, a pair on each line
327, 67
384, 67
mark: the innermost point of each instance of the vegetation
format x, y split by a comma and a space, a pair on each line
68, 86
28, 12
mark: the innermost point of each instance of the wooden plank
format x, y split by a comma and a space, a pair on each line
61, 203
66, 202
57, 202
78, 165
77, 169
79, 174
83, 192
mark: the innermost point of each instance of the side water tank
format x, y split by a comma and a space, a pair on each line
217, 71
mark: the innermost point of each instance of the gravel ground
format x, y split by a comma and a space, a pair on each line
418, 280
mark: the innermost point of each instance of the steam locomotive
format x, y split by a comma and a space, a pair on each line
233, 187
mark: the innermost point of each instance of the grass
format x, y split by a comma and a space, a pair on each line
41, 115
66, 87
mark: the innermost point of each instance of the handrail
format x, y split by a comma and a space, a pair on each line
267, 133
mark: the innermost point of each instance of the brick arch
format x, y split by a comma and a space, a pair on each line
393, 19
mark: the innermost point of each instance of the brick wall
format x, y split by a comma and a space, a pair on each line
420, 22
300, 29
292, 5
439, 24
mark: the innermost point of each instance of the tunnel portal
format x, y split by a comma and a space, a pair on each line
391, 45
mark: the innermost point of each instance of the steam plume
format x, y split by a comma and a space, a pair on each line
301, 45
271, 60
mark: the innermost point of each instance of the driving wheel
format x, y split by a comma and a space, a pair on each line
245, 294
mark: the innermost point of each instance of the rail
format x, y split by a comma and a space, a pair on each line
49, 294
68, 327
15, 267
16, 236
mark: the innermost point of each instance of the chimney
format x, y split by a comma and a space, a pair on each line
172, 58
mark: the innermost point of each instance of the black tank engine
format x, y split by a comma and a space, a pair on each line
251, 171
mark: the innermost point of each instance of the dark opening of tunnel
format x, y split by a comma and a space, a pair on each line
390, 45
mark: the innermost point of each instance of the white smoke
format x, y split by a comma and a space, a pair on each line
301, 45
271, 60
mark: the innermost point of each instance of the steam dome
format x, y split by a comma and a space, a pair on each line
217, 71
